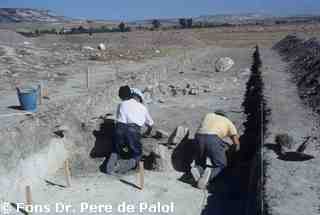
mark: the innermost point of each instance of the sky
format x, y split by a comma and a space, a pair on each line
146, 9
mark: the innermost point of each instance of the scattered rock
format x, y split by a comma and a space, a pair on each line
159, 134
147, 97
163, 89
158, 159
184, 92
88, 48
194, 91
161, 101
284, 142
163, 158
178, 135
206, 88
174, 92
224, 64
101, 47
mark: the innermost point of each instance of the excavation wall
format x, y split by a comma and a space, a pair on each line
39, 145
303, 56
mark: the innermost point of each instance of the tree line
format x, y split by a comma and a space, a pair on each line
183, 23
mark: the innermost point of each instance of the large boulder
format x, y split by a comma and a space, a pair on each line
102, 47
224, 64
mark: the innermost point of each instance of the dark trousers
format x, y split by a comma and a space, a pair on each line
127, 135
214, 148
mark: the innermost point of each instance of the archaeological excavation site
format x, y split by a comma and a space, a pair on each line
60, 107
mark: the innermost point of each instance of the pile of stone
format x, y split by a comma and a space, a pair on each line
167, 151
156, 93
188, 89
113, 55
304, 57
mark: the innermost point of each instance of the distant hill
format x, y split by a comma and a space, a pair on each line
16, 15
240, 19
213, 19
9, 16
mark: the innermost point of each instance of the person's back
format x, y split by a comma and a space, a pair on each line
209, 138
217, 125
132, 112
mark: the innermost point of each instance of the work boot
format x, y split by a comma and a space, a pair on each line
126, 165
204, 179
112, 163
196, 172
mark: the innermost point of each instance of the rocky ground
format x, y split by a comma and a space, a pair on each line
291, 184
178, 69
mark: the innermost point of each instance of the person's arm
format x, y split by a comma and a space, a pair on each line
118, 112
233, 134
236, 141
147, 133
149, 123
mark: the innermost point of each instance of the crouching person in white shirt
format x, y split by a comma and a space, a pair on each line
131, 117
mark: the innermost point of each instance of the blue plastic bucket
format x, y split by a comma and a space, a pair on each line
28, 98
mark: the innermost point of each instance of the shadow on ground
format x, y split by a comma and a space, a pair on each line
15, 107
183, 155
288, 156
103, 144
228, 192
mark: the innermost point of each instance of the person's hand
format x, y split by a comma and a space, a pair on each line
236, 142
237, 147
146, 135
148, 132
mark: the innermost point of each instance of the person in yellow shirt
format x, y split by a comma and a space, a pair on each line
209, 139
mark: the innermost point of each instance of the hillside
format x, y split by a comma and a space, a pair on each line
16, 15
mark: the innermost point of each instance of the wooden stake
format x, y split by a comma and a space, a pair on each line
28, 195
45, 90
87, 77
28, 199
40, 87
141, 175
67, 172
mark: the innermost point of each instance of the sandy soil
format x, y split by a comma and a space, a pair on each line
290, 186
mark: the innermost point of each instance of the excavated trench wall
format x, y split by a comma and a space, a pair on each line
31, 151
303, 56
255, 108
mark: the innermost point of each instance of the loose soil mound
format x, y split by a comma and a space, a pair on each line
11, 37
304, 58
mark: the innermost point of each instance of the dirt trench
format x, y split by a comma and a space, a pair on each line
290, 185
238, 189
